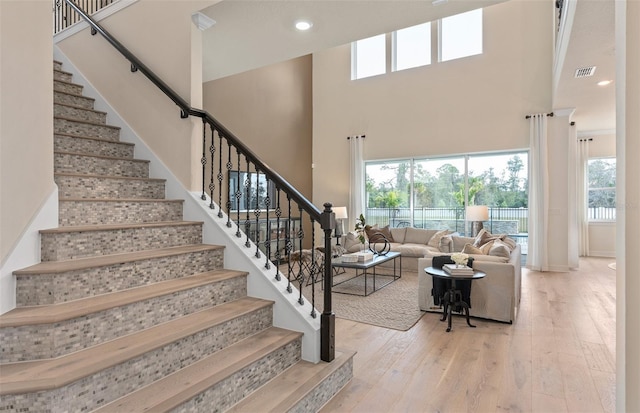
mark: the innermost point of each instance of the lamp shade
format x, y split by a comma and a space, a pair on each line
477, 213
341, 212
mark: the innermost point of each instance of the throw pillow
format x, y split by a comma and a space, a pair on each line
437, 238
500, 249
375, 234
485, 236
351, 242
511, 243
470, 249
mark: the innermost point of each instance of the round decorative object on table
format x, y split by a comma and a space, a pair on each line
380, 246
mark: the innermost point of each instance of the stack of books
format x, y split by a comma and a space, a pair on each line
453, 269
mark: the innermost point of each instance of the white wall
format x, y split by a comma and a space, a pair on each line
26, 136
475, 104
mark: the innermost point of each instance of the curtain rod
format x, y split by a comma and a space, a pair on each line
357, 136
548, 114
585, 140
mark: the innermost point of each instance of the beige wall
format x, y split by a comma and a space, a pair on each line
270, 110
164, 46
26, 110
466, 105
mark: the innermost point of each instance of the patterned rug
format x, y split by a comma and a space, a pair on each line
394, 306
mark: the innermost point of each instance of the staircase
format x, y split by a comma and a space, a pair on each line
128, 311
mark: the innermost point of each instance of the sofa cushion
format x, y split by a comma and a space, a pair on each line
412, 250
418, 235
398, 234
458, 242
436, 239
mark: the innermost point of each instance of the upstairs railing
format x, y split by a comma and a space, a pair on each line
249, 195
64, 15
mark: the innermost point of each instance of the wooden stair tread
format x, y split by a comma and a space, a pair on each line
119, 200
53, 373
87, 155
111, 227
93, 138
119, 177
181, 386
79, 107
285, 390
45, 314
86, 122
55, 267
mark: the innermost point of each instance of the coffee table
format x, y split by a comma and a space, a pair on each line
368, 269
453, 297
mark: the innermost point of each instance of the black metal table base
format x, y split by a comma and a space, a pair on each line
451, 303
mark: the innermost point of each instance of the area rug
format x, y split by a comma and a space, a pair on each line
394, 306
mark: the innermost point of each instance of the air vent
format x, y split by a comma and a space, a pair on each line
585, 71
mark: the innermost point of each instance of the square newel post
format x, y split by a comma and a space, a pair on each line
328, 318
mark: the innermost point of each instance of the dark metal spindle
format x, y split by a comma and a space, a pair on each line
238, 196
229, 198
212, 150
203, 160
220, 177
301, 273
288, 245
267, 239
278, 212
315, 270
247, 191
257, 212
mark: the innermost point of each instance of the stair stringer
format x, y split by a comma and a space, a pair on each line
261, 283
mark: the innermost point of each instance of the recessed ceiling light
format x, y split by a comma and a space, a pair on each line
303, 25
604, 82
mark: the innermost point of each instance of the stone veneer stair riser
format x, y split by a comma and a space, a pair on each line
93, 186
57, 245
62, 86
50, 340
71, 99
94, 212
75, 112
114, 382
57, 287
100, 165
62, 75
92, 146
81, 128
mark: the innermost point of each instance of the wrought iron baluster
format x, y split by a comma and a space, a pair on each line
315, 269
212, 150
267, 238
278, 212
238, 196
257, 212
288, 245
220, 178
203, 160
247, 221
301, 273
229, 189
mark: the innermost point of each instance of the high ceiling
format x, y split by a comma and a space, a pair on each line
253, 33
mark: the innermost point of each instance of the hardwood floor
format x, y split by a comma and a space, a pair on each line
559, 356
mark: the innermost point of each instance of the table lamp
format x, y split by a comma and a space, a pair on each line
340, 215
477, 214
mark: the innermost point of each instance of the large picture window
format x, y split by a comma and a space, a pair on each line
433, 192
249, 191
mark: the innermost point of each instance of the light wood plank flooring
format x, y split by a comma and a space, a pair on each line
559, 356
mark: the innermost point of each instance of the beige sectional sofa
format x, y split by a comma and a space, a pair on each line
495, 297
